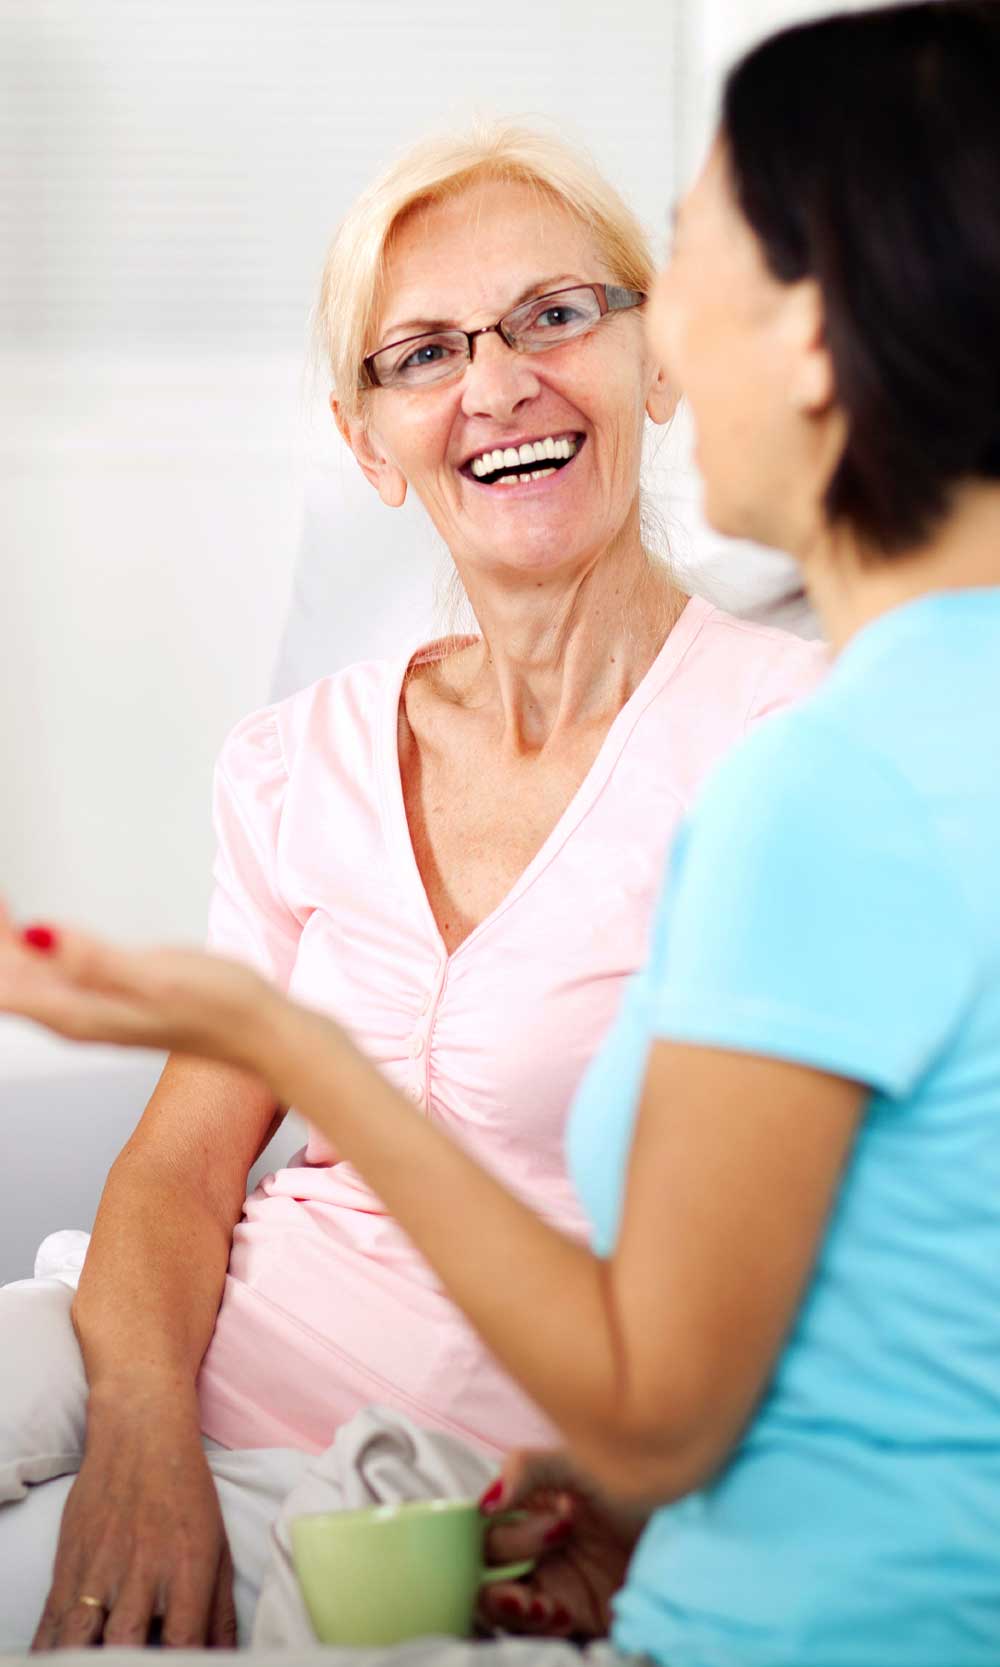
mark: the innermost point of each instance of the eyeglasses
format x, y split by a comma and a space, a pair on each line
533, 327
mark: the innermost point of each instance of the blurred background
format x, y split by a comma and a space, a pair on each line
171, 172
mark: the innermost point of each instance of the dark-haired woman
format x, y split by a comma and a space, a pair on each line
786, 1333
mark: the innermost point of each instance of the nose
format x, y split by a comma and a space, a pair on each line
498, 381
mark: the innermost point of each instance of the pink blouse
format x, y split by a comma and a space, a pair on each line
327, 1307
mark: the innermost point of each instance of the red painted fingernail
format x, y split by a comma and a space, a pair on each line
492, 1497
510, 1605
536, 1610
561, 1615
40, 937
559, 1532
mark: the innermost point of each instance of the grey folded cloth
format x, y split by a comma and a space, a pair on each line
380, 1457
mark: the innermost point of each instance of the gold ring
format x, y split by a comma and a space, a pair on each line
91, 1603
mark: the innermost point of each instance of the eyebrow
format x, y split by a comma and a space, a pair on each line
426, 326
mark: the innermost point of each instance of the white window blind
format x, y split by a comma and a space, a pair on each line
171, 170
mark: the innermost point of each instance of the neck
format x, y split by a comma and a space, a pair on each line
564, 649
849, 587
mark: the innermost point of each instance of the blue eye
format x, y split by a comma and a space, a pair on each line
555, 318
429, 353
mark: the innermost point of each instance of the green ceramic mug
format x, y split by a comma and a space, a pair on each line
391, 1572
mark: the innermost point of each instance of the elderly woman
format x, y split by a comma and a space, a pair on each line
456, 854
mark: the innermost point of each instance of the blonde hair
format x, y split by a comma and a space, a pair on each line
353, 282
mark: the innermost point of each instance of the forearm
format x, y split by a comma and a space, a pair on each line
151, 1285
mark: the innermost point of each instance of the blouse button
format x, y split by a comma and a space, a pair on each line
416, 1046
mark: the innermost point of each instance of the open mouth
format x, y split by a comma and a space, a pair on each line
533, 460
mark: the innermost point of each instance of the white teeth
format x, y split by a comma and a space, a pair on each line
540, 474
532, 451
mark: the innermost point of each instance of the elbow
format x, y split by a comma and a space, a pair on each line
646, 1460
646, 1475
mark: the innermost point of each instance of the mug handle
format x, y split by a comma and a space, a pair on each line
507, 1571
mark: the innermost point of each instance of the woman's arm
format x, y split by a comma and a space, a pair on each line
142, 1529
650, 1362
153, 1278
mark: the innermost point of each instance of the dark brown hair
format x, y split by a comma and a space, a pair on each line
865, 152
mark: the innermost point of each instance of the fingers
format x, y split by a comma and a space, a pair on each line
89, 990
525, 1473
55, 1003
84, 960
222, 1622
78, 1621
188, 1609
69, 1624
543, 1528
79, 987
525, 1607
82, 1624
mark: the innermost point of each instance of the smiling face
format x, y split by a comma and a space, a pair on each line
574, 412
748, 354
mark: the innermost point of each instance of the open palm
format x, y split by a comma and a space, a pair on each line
89, 990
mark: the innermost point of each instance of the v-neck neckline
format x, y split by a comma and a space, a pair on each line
390, 778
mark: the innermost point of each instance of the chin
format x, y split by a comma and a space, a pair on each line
544, 549
729, 519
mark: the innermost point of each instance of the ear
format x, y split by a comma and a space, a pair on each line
812, 384
388, 481
662, 399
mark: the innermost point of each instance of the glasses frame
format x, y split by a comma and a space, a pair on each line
611, 298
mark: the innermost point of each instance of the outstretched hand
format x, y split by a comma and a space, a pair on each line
84, 988
582, 1544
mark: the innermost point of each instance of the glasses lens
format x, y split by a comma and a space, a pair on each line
552, 319
422, 359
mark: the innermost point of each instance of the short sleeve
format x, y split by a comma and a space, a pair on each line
810, 914
248, 919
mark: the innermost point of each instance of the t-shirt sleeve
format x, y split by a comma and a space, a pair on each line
810, 915
248, 918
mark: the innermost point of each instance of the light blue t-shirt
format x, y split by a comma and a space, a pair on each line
835, 900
